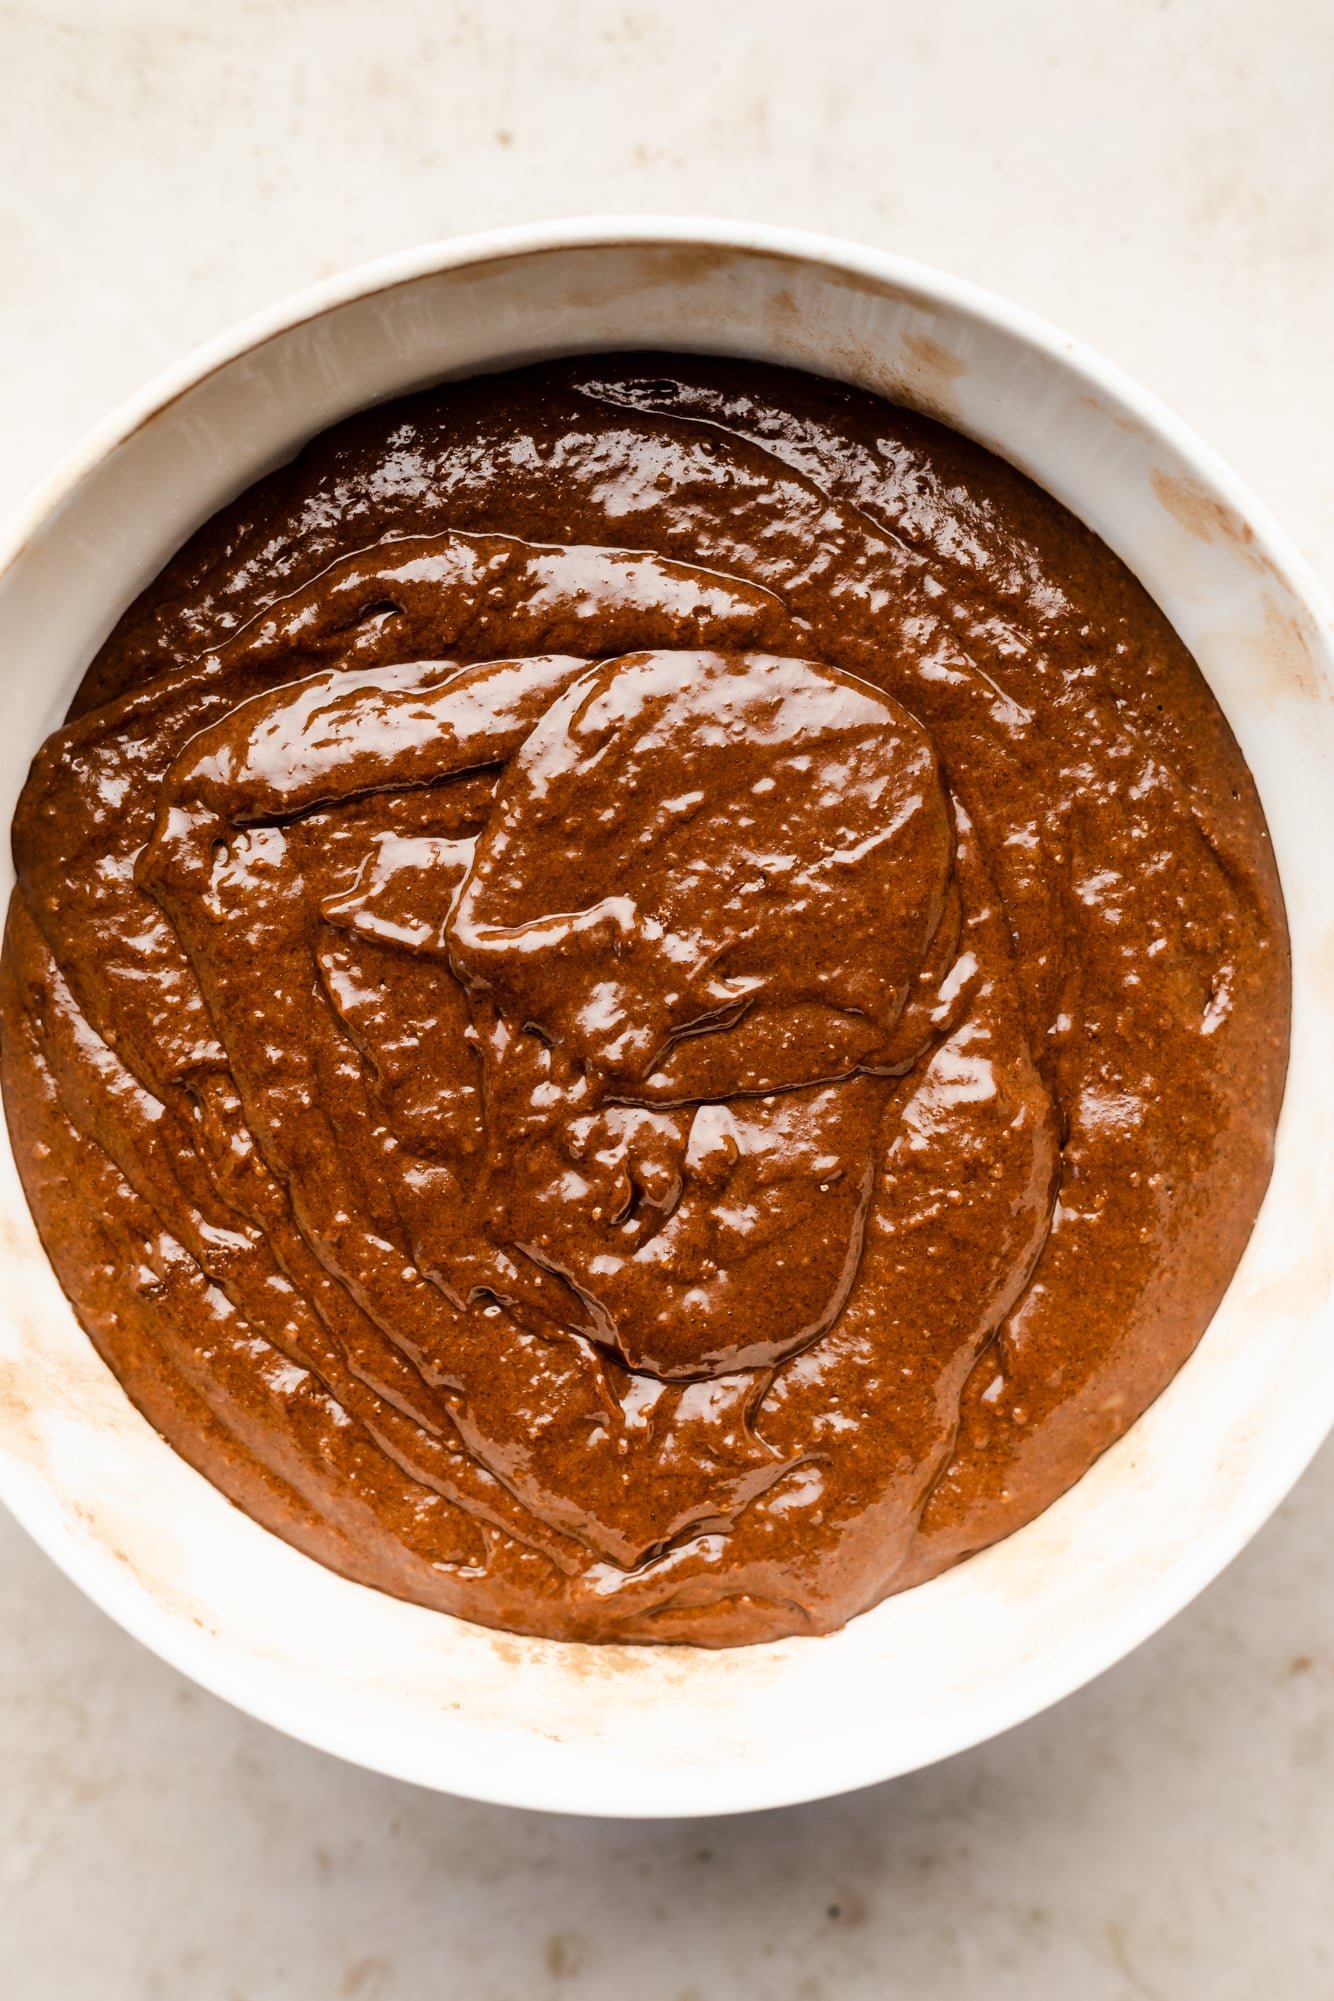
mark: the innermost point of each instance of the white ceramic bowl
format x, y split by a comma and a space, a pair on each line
642, 1730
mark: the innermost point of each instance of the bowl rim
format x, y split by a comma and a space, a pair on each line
167, 1634
615, 230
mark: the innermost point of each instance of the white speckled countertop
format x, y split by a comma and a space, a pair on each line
1156, 175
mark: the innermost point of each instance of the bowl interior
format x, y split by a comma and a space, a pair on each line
637, 1730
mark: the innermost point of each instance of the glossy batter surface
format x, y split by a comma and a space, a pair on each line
647, 999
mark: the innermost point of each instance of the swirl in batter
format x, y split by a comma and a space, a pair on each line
646, 1000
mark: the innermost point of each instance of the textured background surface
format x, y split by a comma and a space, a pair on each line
1156, 175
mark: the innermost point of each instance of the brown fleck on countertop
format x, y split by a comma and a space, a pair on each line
647, 999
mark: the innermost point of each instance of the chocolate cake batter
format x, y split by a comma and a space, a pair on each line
647, 999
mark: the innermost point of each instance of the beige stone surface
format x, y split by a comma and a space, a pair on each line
1156, 175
